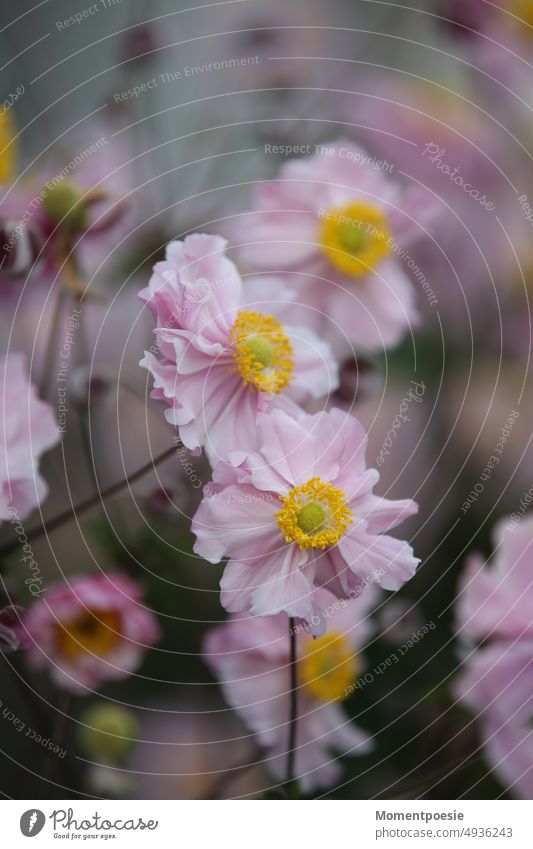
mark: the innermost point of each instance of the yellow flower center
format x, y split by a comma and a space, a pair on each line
523, 11
95, 632
7, 148
261, 351
328, 667
355, 238
314, 515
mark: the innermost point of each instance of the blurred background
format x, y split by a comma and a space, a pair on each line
169, 111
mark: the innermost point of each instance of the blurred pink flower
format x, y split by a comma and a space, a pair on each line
27, 429
496, 686
298, 513
333, 223
93, 629
495, 681
251, 659
225, 356
439, 136
80, 197
496, 602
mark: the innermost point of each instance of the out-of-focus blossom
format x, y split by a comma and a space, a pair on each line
500, 47
300, 513
27, 430
76, 199
437, 137
12, 633
251, 659
495, 601
494, 604
335, 223
226, 357
93, 629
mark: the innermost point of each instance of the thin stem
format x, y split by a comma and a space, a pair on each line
79, 509
291, 754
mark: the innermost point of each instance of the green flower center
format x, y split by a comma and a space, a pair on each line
260, 349
311, 518
351, 239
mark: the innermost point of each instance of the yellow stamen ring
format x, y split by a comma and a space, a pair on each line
328, 667
262, 352
355, 238
314, 515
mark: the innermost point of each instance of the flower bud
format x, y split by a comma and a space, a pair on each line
108, 731
62, 203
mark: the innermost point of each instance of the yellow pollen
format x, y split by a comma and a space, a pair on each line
314, 515
327, 667
261, 351
7, 148
94, 632
355, 238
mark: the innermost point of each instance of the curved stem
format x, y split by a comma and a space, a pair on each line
79, 509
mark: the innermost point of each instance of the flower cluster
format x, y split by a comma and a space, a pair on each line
238, 364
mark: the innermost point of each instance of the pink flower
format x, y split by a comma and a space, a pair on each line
92, 629
81, 197
27, 430
496, 687
496, 602
226, 357
251, 659
333, 222
495, 681
300, 513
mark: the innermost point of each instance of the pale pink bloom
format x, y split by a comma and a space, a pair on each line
495, 601
299, 513
496, 685
496, 681
93, 629
27, 429
434, 134
251, 659
226, 357
82, 197
335, 224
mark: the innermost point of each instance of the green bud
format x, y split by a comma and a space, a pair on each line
62, 203
108, 731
